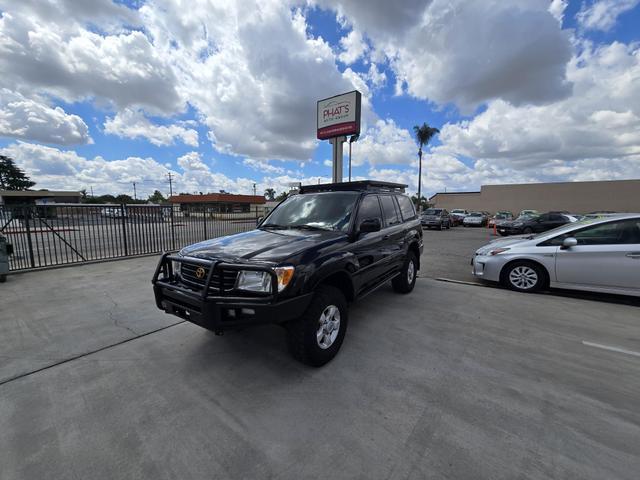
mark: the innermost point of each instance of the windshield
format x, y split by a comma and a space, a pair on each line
455, 210
475, 214
432, 211
524, 218
326, 211
501, 216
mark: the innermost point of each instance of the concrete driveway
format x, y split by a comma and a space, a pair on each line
452, 381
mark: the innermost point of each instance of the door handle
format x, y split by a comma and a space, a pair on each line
633, 255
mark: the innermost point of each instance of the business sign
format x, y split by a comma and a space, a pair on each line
339, 115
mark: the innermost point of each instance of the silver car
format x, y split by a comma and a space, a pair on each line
598, 255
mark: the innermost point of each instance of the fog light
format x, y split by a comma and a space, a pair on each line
248, 311
231, 313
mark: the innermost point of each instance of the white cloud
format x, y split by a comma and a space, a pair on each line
443, 53
131, 123
588, 135
603, 14
353, 47
557, 8
64, 59
384, 143
262, 166
32, 119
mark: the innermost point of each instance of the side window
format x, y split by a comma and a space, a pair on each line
543, 218
556, 218
406, 207
623, 232
369, 208
389, 209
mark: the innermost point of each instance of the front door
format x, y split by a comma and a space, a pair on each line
369, 246
607, 255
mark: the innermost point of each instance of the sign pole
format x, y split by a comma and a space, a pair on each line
337, 142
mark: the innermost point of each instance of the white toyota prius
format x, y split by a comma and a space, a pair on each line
598, 255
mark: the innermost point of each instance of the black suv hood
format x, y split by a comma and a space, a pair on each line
263, 245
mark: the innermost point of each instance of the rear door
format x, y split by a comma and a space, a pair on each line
394, 232
607, 255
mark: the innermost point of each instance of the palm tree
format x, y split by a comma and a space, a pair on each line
424, 134
270, 194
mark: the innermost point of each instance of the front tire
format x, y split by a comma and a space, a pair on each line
524, 277
527, 231
316, 337
405, 282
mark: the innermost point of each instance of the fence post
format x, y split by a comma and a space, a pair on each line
204, 218
26, 215
124, 229
173, 231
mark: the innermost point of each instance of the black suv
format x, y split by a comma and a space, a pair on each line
314, 253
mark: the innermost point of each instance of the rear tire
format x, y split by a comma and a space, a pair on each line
316, 337
524, 277
405, 282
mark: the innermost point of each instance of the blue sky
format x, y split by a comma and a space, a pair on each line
101, 94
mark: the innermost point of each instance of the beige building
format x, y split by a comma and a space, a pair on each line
575, 197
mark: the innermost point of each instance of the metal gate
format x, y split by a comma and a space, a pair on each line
50, 235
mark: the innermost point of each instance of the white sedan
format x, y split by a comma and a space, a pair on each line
599, 255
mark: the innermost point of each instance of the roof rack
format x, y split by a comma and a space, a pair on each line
360, 185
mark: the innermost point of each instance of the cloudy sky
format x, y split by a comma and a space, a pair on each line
99, 94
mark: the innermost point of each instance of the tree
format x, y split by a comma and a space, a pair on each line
281, 197
11, 177
424, 134
423, 204
157, 197
270, 194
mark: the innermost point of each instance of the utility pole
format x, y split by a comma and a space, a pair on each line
170, 184
135, 197
91, 190
254, 189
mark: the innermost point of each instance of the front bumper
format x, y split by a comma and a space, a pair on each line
487, 267
508, 230
223, 311
431, 223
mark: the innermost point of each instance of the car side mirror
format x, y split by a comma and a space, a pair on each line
370, 225
259, 220
569, 242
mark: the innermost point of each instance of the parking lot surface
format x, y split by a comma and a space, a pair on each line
451, 381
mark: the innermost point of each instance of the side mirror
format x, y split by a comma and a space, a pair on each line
569, 242
370, 225
259, 220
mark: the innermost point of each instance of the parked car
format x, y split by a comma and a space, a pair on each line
535, 224
113, 212
436, 218
500, 218
315, 252
599, 255
528, 212
475, 219
457, 216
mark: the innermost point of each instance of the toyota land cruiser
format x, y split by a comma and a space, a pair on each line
318, 250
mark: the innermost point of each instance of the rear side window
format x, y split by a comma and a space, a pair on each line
369, 208
406, 207
391, 214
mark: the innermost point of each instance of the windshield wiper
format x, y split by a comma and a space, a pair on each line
274, 226
311, 227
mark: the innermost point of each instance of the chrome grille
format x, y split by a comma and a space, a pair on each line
188, 276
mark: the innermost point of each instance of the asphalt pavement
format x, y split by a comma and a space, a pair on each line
452, 381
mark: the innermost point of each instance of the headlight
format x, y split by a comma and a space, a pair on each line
498, 250
255, 281
176, 267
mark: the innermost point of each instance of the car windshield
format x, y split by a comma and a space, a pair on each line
524, 218
475, 214
432, 211
326, 211
501, 216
